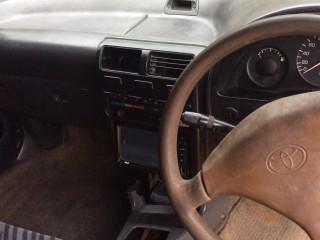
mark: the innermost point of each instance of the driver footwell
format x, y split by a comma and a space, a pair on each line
250, 220
76, 191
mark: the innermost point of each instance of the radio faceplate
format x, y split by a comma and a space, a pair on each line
140, 147
135, 93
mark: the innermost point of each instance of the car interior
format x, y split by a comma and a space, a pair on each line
163, 119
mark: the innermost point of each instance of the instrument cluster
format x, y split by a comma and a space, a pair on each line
271, 69
308, 60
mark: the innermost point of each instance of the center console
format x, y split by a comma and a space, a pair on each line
135, 78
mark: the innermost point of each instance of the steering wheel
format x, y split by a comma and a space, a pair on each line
272, 156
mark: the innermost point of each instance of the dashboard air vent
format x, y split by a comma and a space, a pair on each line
168, 64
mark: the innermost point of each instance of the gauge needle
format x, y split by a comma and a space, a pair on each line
312, 68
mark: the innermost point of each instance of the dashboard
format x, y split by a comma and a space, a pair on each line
113, 67
139, 78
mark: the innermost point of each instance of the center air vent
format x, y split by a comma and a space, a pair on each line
168, 64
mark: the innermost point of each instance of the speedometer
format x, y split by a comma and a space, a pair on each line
308, 61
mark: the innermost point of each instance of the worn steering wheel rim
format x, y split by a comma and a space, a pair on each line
187, 195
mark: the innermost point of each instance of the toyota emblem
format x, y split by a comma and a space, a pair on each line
287, 159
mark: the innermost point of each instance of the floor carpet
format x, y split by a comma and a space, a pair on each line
76, 191
252, 221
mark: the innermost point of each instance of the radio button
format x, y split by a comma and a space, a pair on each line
134, 98
108, 94
155, 102
113, 84
116, 97
162, 103
125, 98
145, 100
144, 88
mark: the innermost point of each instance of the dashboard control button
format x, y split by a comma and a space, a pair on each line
169, 88
162, 103
121, 113
143, 88
134, 98
145, 100
116, 97
108, 94
155, 102
230, 114
125, 98
188, 107
113, 84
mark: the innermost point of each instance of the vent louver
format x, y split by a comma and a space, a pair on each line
168, 64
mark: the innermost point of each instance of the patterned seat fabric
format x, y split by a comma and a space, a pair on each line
9, 232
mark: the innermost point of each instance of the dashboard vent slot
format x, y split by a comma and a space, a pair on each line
168, 64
